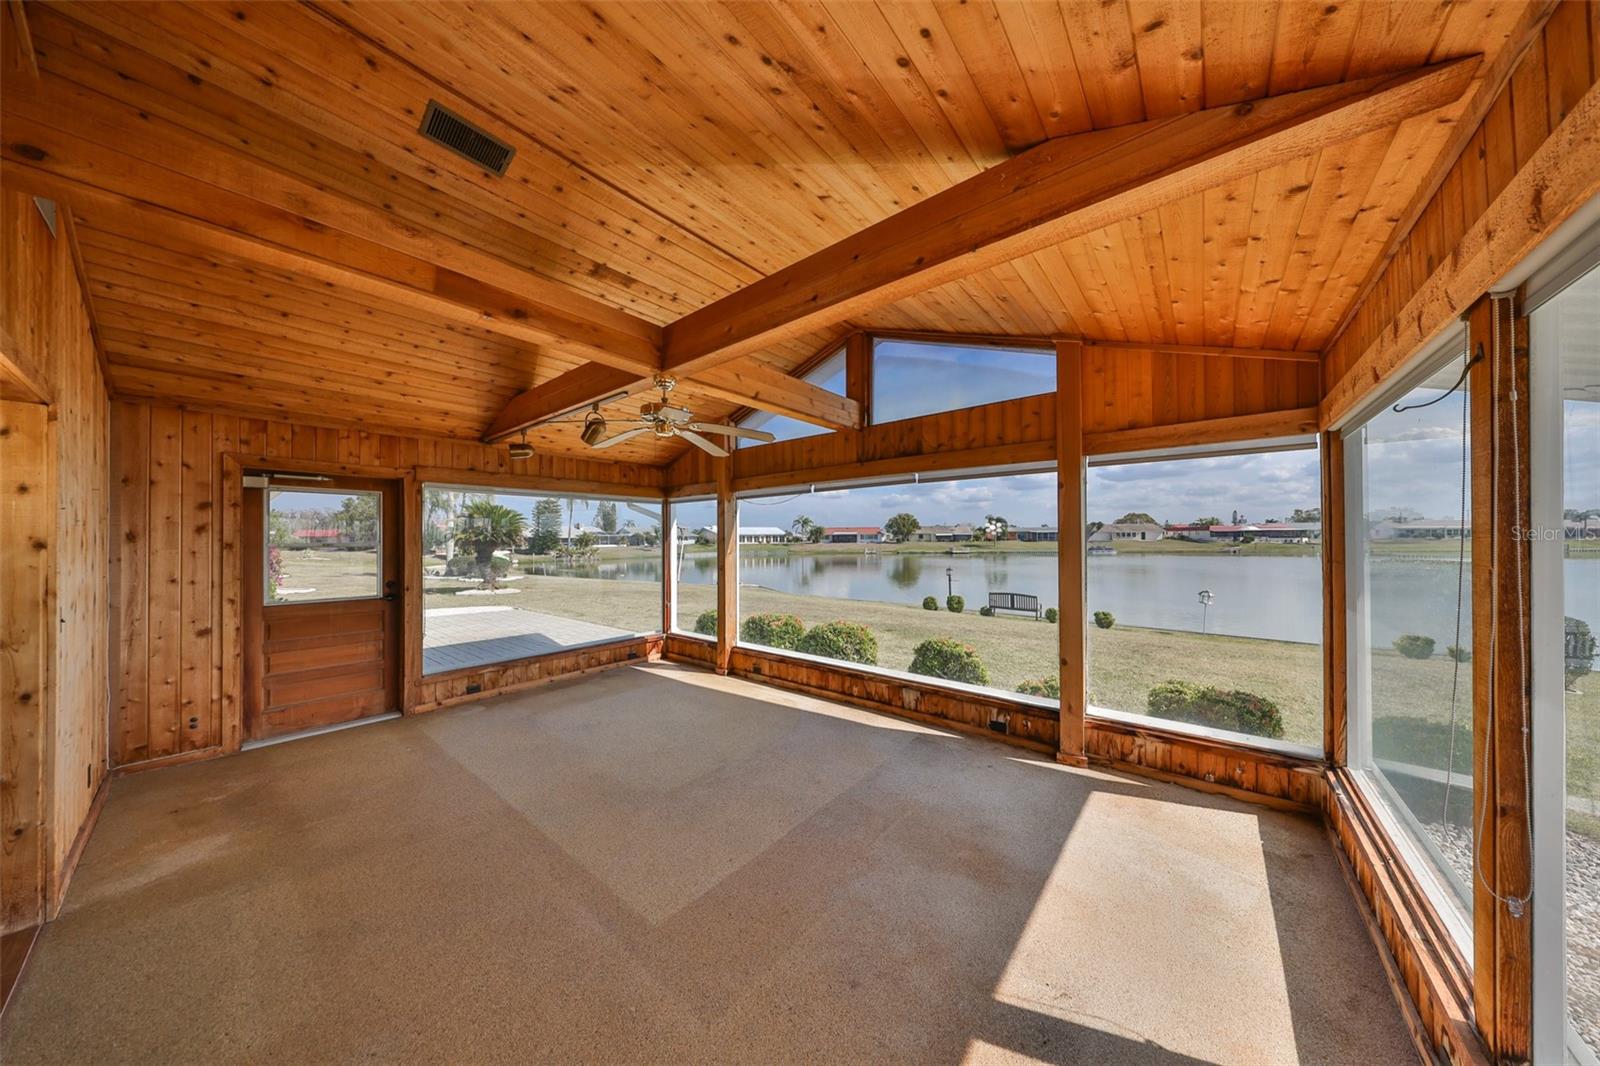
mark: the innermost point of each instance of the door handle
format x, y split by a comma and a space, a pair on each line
391, 597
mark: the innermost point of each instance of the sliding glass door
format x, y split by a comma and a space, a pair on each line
1565, 427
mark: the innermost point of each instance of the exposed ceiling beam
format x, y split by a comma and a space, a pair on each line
1061, 189
1292, 355
576, 389
770, 389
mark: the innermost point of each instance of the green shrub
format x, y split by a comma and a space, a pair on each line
1579, 649
1242, 712
1048, 687
1105, 619
955, 604
465, 564
930, 603
847, 642
1422, 741
1459, 654
529, 569
986, 611
1051, 615
706, 623
773, 630
949, 659
1414, 646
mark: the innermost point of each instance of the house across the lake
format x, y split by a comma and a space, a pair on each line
852, 535
755, 534
1125, 531
943, 534
1033, 533
1419, 529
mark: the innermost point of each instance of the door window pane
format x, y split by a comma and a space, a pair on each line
323, 545
1412, 559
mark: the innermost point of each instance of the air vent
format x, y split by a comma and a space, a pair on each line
463, 138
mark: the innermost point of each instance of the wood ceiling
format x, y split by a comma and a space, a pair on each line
667, 156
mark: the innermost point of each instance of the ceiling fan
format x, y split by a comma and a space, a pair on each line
664, 420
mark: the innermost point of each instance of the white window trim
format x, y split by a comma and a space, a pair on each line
673, 571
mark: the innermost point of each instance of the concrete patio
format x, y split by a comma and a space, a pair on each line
455, 638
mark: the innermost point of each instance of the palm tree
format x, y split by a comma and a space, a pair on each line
486, 528
802, 526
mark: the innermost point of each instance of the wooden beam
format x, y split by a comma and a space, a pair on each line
1501, 685
1061, 189
1072, 552
858, 372
1293, 422
1284, 354
159, 206
1560, 177
727, 563
21, 377
770, 389
577, 388
24, 37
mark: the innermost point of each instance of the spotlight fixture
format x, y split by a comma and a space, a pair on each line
594, 426
521, 449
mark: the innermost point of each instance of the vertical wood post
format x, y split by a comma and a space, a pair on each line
858, 373
1335, 709
727, 564
669, 567
411, 592
1073, 578
1502, 940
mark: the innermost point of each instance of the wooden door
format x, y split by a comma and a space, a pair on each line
322, 603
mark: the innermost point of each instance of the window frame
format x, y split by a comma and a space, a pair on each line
1260, 446
1424, 861
888, 673
673, 571
530, 493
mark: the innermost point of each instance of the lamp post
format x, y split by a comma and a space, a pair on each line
1205, 605
949, 582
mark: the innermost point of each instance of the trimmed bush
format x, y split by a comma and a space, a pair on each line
773, 630
465, 564
1048, 687
1242, 712
847, 642
1051, 615
986, 611
949, 659
1414, 646
1105, 619
955, 604
706, 623
930, 603
1580, 650
1459, 654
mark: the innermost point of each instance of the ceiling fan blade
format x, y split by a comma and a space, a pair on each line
676, 413
732, 431
700, 442
620, 437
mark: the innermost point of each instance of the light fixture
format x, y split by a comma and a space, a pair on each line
521, 449
594, 426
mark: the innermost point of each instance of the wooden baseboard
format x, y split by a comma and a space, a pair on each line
197, 755
63, 877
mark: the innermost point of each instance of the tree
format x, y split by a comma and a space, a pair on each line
547, 516
486, 528
1136, 518
902, 526
1209, 520
802, 526
995, 527
1092, 528
1306, 514
605, 516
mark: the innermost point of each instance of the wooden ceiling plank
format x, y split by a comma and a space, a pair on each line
1224, 351
1169, 43
1238, 40
1227, 245
1043, 196
1275, 215
1183, 234
1312, 44
1038, 38
1103, 50
933, 46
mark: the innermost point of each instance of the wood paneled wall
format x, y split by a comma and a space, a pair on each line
171, 653
1552, 77
465, 686
54, 465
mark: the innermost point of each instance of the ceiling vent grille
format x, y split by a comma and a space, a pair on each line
463, 138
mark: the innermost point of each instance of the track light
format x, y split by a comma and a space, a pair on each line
521, 449
594, 427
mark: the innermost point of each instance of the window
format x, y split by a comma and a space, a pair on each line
829, 374
895, 577
1409, 552
508, 575
1565, 591
694, 525
912, 378
323, 545
1205, 593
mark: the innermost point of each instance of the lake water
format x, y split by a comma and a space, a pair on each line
1276, 597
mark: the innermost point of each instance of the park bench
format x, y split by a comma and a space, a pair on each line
1014, 601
